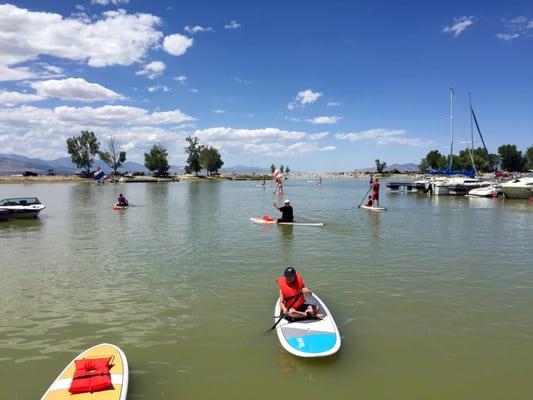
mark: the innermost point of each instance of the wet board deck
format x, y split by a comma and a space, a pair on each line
119, 376
275, 222
309, 338
374, 208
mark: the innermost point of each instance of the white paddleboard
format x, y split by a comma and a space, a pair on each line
275, 222
309, 338
370, 208
119, 376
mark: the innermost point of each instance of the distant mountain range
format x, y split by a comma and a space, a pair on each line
11, 164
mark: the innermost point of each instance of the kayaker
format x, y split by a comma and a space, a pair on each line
286, 212
375, 193
291, 296
122, 201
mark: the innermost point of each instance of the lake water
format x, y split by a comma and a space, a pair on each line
433, 298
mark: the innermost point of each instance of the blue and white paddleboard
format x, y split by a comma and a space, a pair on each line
309, 338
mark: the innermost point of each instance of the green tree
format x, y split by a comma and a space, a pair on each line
82, 149
193, 150
272, 168
210, 160
529, 157
114, 157
423, 165
435, 160
287, 170
281, 168
511, 158
380, 166
157, 160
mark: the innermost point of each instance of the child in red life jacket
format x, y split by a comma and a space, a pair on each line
291, 294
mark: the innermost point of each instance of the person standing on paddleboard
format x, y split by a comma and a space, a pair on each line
286, 212
375, 193
291, 296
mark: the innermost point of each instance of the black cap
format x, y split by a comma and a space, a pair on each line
289, 271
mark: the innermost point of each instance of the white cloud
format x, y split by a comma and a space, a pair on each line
153, 69
324, 120
383, 136
318, 136
334, 104
158, 88
218, 111
196, 29
244, 82
221, 133
304, 97
74, 89
232, 25
459, 25
12, 98
79, 7
42, 132
181, 79
516, 27
117, 38
106, 2
194, 91
177, 44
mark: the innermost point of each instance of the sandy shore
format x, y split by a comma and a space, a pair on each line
295, 176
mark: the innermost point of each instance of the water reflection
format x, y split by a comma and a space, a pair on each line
374, 223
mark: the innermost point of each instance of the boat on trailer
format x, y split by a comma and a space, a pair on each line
22, 207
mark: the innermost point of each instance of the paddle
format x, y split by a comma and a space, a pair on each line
288, 308
364, 197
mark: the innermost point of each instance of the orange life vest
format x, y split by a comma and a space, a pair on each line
290, 291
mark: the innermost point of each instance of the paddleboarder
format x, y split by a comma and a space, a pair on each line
122, 201
286, 212
375, 193
291, 294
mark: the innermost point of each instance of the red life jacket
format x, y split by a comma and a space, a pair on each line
290, 291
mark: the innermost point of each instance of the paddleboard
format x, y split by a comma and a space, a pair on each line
275, 222
309, 338
119, 376
373, 208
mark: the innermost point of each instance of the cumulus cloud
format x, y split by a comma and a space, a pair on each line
106, 2
383, 136
459, 25
11, 99
42, 132
324, 120
318, 136
117, 38
196, 29
74, 89
302, 98
232, 25
181, 79
177, 44
158, 88
516, 27
153, 69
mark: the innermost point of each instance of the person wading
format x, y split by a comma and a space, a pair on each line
286, 212
291, 297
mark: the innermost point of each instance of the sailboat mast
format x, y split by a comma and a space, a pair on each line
451, 128
471, 133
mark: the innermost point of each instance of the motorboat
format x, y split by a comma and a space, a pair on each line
22, 207
521, 188
492, 190
462, 186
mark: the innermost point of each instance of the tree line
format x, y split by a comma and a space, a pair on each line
84, 148
508, 158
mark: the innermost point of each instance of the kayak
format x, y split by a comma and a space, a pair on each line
102, 369
312, 337
117, 207
275, 222
370, 208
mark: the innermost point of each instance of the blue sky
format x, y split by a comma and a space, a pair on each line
320, 86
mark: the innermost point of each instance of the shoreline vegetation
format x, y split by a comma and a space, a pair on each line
187, 177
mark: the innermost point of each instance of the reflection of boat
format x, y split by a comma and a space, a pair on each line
22, 207
521, 188
4, 214
491, 190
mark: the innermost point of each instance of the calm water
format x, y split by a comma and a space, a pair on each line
433, 298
